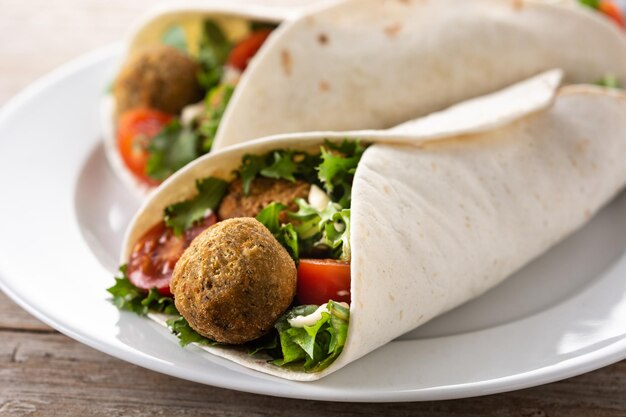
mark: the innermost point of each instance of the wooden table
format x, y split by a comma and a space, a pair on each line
42, 372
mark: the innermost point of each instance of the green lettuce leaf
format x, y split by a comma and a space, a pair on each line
171, 149
215, 105
282, 166
594, 4
279, 164
213, 53
336, 171
609, 81
324, 230
130, 298
317, 346
186, 335
174, 36
268, 344
181, 216
285, 234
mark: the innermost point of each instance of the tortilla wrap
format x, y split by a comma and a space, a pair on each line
370, 64
149, 30
438, 221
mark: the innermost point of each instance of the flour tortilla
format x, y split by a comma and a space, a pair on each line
371, 64
438, 222
149, 29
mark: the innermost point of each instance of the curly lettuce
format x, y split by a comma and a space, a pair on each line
317, 346
181, 216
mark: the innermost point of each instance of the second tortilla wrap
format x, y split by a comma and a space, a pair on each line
370, 64
438, 224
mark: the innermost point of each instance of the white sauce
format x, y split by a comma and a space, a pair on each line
318, 198
191, 113
230, 75
314, 317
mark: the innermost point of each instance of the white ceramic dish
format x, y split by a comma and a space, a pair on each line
63, 213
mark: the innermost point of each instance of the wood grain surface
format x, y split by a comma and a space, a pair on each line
44, 373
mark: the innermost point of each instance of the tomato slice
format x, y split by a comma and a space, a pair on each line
154, 256
135, 129
320, 280
241, 54
612, 11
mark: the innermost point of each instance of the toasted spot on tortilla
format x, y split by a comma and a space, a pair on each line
581, 147
518, 4
324, 86
433, 165
386, 189
401, 314
285, 60
322, 39
391, 297
393, 30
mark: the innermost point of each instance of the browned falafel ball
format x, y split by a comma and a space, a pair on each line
158, 77
263, 191
234, 281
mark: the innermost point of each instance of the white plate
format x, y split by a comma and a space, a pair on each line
62, 215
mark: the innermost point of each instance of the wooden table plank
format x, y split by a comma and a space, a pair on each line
49, 374
45, 373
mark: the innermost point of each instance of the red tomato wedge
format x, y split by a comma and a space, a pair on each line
612, 11
155, 254
243, 52
320, 280
135, 129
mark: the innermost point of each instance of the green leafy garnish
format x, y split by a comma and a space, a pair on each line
268, 344
324, 230
285, 234
337, 169
128, 297
171, 149
212, 55
279, 164
181, 216
174, 36
594, 4
315, 346
254, 26
186, 335
609, 81
281, 167
215, 105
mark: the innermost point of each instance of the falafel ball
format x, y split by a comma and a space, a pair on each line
263, 191
234, 281
158, 77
